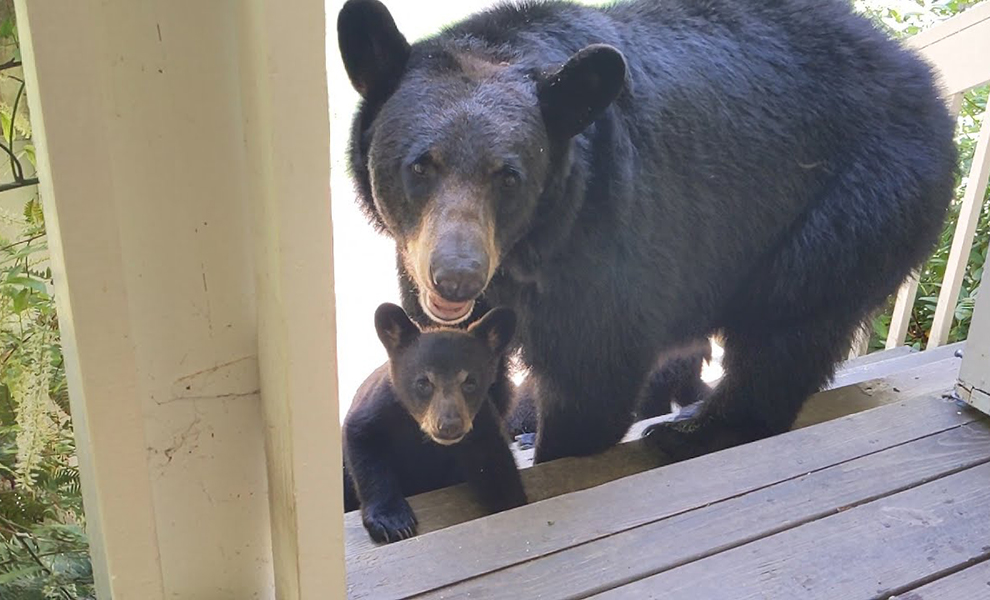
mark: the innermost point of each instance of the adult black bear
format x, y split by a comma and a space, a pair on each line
429, 418
632, 177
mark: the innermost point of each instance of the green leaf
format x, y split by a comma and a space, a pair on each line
5, 124
21, 300
7, 28
29, 282
30, 154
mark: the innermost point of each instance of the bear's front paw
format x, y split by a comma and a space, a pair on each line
692, 436
389, 522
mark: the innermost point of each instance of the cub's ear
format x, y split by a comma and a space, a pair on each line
395, 330
495, 329
374, 51
579, 92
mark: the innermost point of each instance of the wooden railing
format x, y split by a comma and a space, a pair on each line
960, 50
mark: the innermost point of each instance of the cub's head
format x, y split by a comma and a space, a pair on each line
456, 137
442, 377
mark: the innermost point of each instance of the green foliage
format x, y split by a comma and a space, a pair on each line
904, 18
43, 550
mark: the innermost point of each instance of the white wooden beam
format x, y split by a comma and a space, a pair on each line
287, 133
959, 48
75, 151
962, 239
974, 373
162, 129
861, 341
900, 318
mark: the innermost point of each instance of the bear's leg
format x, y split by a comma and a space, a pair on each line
676, 380
487, 464
769, 373
585, 417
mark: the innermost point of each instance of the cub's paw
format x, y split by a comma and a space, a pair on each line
389, 522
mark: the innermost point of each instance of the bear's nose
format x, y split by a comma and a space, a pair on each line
450, 428
459, 282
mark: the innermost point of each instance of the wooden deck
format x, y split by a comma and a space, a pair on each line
890, 501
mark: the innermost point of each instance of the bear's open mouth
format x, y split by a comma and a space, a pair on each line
443, 311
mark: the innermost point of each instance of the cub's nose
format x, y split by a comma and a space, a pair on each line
450, 429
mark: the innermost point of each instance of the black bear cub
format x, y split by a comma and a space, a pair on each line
426, 420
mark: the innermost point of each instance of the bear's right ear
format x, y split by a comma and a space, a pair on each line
579, 92
374, 52
395, 330
496, 329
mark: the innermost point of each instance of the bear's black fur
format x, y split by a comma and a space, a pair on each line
633, 177
427, 419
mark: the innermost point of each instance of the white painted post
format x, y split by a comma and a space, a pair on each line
861, 341
162, 128
974, 374
287, 133
962, 240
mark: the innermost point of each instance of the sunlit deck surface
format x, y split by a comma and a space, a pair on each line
882, 490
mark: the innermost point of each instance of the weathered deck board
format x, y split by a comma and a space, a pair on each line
690, 536
444, 508
969, 584
866, 552
509, 538
890, 362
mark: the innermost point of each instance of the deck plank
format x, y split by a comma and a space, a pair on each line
512, 537
666, 544
863, 553
447, 507
969, 584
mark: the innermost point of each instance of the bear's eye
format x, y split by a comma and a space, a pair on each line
421, 167
423, 386
508, 178
469, 386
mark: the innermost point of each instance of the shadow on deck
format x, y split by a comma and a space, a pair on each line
880, 490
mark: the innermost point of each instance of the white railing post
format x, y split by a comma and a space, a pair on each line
974, 374
287, 135
183, 153
962, 239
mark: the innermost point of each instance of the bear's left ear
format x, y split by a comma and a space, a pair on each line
395, 330
579, 92
374, 51
495, 329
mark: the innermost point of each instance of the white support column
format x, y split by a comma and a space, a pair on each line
287, 133
962, 239
974, 374
63, 67
162, 128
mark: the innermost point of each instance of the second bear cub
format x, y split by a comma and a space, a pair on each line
424, 421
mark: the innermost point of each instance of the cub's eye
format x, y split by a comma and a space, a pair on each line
423, 386
508, 178
422, 166
469, 386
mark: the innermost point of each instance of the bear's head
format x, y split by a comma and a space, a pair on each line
454, 143
442, 377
